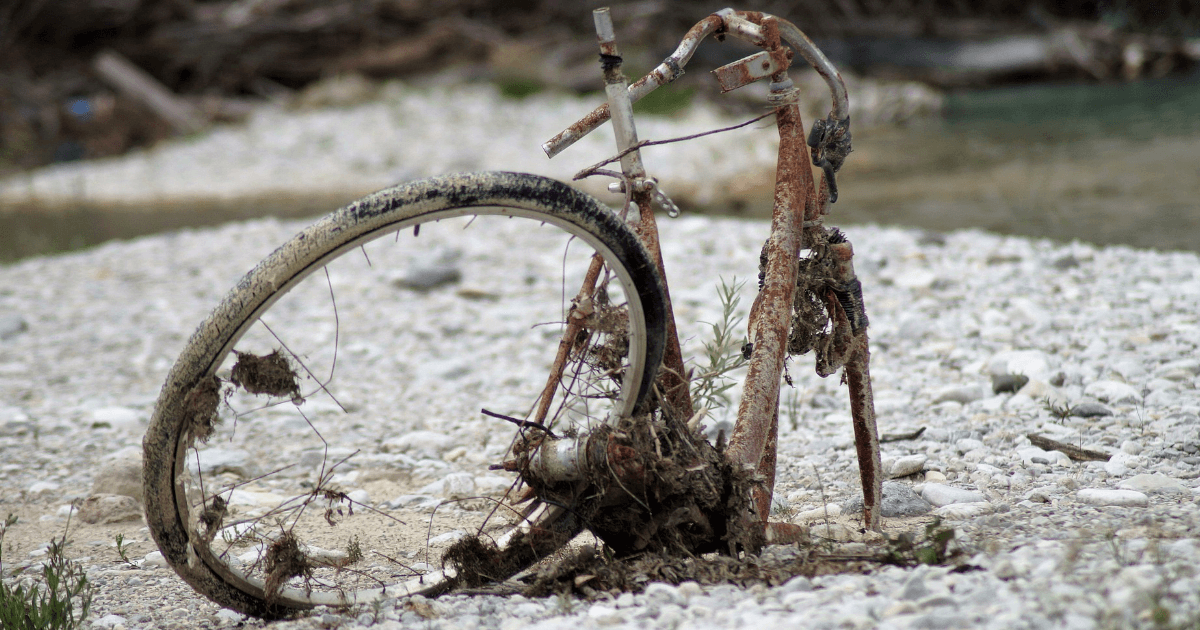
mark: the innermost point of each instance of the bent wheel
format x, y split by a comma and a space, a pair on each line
319, 440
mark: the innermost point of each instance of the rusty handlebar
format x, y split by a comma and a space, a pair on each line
745, 25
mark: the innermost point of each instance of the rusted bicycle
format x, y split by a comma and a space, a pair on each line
286, 372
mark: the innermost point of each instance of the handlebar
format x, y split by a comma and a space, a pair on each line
751, 26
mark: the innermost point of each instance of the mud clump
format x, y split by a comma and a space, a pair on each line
270, 374
200, 408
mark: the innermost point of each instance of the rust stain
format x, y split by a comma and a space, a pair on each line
784, 534
754, 17
866, 432
761, 495
770, 316
738, 74
583, 126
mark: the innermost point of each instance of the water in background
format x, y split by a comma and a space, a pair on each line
1116, 163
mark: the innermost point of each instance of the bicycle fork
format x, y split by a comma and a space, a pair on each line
796, 224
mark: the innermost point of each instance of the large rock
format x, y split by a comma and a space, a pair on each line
109, 508
899, 499
121, 477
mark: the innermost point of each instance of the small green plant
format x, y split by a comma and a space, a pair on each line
123, 549
710, 387
793, 410
61, 600
354, 551
906, 550
1060, 411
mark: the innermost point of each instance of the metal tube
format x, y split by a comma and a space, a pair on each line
817, 59
670, 69
617, 89
771, 314
673, 380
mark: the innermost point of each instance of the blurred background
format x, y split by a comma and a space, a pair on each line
1077, 119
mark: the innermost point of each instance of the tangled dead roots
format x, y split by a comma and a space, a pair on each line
683, 496
285, 560
478, 561
474, 560
270, 374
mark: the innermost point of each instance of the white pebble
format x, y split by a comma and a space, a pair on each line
1153, 483
38, 487
154, 559
959, 511
109, 621
1118, 464
940, 495
447, 538
904, 466
1099, 496
831, 510
1031, 363
423, 443
118, 417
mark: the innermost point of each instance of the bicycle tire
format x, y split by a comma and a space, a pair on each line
173, 434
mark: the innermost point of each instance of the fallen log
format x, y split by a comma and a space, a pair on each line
137, 84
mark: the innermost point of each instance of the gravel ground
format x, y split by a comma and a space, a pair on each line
86, 340
95, 332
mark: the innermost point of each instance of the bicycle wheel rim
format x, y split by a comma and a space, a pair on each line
384, 213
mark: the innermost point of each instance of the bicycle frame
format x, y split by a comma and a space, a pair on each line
796, 224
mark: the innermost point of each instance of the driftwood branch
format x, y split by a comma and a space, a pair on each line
1074, 452
137, 84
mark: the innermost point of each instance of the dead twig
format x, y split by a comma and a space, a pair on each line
900, 437
1074, 452
521, 423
